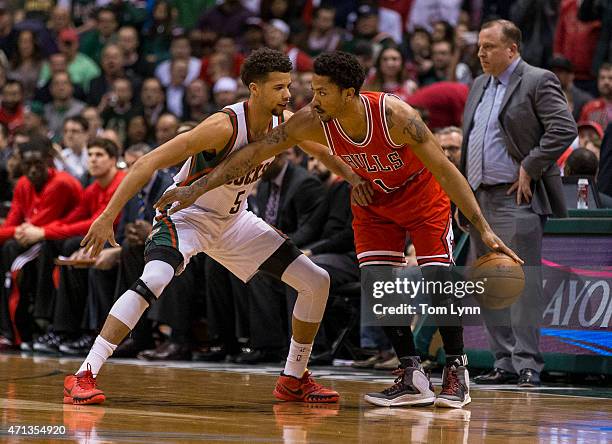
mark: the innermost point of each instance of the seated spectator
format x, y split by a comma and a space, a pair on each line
365, 28
323, 35
27, 62
420, 53
389, 75
153, 100
112, 69
57, 63
450, 139
331, 249
64, 104
277, 36
197, 104
576, 98
600, 110
180, 49
157, 33
74, 159
81, 68
92, 42
581, 162
226, 60
134, 63
118, 108
42, 196
175, 91
444, 67
443, 101
137, 131
589, 137
120, 263
66, 311
287, 198
92, 116
166, 128
11, 109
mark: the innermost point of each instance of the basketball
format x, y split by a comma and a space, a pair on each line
503, 279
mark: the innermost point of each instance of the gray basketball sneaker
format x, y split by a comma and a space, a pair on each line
411, 387
455, 387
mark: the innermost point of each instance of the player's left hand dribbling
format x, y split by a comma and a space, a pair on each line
362, 193
184, 196
491, 240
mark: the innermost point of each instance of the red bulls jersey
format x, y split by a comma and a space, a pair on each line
377, 158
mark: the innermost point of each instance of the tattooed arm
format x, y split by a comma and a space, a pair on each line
238, 163
406, 127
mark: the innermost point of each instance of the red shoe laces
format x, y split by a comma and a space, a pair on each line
399, 372
309, 383
87, 381
451, 384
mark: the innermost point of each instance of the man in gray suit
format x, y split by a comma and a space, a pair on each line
516, 124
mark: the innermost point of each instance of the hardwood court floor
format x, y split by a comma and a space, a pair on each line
166, 403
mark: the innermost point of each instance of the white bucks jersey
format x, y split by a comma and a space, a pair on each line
230, 198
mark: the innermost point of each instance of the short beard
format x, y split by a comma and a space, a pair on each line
323, 175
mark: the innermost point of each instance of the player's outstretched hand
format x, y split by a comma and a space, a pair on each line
491, 240
183, 195
100, 231
362, 193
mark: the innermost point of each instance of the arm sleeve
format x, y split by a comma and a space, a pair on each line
16, 214
559, 126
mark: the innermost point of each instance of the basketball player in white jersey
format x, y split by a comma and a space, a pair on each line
219, 225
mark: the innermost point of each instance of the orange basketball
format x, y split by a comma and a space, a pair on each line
502, 277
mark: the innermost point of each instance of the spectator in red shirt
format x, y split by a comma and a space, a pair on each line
102, 167
11, 111
42, 195
600, 110
443, 103
63, 238
577, 40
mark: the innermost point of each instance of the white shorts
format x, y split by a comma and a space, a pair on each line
240, 243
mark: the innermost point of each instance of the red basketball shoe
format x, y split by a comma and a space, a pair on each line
304, 389
81, 389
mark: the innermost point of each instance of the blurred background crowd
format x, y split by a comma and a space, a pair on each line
87, 87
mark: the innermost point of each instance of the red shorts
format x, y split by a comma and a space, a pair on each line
421, 209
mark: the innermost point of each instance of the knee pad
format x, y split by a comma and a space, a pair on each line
156, 276
312, 285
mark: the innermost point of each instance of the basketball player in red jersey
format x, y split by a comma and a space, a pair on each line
386, 143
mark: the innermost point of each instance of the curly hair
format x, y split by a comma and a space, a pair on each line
342, 68
262, 62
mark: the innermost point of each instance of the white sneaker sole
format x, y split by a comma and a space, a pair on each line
447, 403
405, 400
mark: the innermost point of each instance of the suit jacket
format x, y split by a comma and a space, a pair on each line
162, 181
537, 128
300, 195
604, 178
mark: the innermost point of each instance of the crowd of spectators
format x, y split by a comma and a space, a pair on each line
87, 87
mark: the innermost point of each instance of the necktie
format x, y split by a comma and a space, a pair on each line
140, 214
477, 136
272, 204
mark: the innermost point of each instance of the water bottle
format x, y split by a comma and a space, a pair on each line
583, 194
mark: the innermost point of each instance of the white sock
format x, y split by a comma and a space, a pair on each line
297, 359
99, 353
